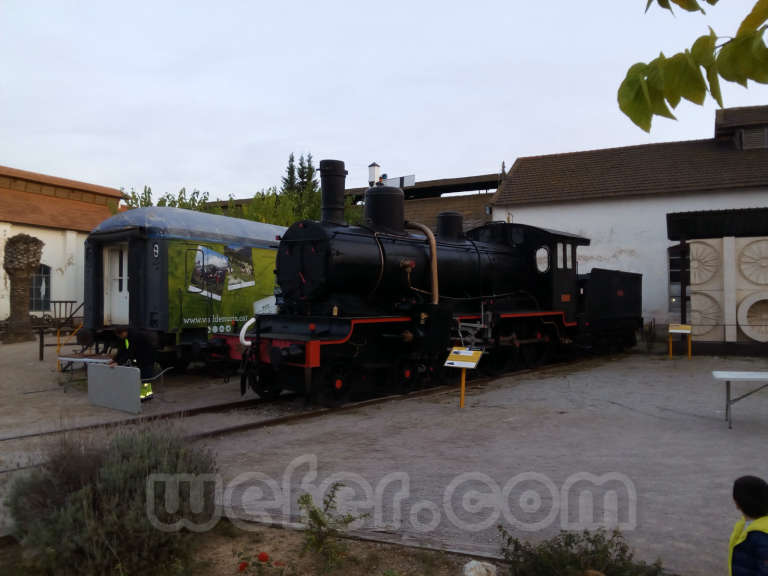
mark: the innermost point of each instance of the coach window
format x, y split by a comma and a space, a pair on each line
569, 256
542, 259
560, 250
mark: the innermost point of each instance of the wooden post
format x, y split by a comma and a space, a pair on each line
41, 352
463, 386
670, 345
690, 337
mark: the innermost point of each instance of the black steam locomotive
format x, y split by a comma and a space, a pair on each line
380, 304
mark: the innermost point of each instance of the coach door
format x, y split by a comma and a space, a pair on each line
116, 285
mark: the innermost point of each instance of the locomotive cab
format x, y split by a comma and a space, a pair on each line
549, 268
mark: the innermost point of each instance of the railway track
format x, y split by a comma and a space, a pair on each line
298, 415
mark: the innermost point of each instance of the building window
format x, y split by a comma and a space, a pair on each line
560, 251
677, 267
40, 290
569, 256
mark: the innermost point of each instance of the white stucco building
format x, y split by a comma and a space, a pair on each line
620, 197
61, 213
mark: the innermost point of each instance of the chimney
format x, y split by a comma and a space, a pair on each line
332, 178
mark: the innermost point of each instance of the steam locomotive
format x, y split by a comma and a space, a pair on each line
379, 304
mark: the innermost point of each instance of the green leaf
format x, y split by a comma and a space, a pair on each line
692, 84
634, 99
755, 18
714, 84
673, 69
655, 72
760, 69
734, 62
662, 3
703, 50
689, 5
658, 104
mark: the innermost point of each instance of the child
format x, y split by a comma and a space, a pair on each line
748, 550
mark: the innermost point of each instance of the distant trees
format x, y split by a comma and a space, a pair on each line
298, 198
196, 200
133, 199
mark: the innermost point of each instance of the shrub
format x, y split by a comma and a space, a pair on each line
575, 554
85, 510
324, 526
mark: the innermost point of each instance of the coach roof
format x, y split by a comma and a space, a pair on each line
167, 222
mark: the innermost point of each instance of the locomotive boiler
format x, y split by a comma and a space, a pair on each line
386, 264
380, 303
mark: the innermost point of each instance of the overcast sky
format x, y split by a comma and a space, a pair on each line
215, 95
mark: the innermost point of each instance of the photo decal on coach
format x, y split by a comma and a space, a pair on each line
240, 271
209, 273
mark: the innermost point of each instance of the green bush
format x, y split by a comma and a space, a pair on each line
324, 525
575, 554
85, 510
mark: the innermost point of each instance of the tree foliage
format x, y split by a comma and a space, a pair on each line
298, 198
196, 200
650, 89
135, 199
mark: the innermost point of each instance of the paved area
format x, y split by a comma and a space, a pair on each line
517, 454
34, 397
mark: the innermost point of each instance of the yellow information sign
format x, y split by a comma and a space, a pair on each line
461, 357
679, 328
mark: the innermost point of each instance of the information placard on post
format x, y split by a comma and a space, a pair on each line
463, 357
686, 329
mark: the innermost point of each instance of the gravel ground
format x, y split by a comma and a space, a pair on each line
517, 455
649, 430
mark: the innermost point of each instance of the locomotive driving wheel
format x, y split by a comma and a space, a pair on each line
333, 386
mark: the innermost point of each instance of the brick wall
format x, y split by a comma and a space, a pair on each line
472, 206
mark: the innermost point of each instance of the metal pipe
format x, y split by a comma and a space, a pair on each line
432, 256
243, 340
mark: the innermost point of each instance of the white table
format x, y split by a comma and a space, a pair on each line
736, 376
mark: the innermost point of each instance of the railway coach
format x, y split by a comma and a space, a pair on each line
188, 279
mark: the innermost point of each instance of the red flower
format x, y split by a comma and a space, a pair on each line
263, 557
242, 566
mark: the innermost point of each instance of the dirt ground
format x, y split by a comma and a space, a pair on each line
221, 552
217, 554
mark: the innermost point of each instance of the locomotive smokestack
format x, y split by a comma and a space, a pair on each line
332, 178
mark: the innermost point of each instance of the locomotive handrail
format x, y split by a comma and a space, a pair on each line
243, 330
432, 256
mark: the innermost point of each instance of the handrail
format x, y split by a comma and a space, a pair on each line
243, 330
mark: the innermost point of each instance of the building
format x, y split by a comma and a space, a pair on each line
61, 213
425, 200
726, 255
620, 197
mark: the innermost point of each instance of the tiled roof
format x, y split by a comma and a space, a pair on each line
60, 182
648, 169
